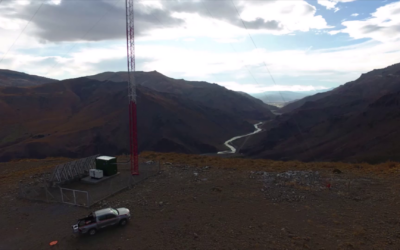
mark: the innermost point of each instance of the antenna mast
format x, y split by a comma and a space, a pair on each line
130, 46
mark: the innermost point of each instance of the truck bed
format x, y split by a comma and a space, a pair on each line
86, 221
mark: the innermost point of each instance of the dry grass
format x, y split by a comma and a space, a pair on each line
387, 168
383, 169
38, 166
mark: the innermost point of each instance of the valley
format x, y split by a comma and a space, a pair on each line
84, 116
79, 117
355, 122
232, 149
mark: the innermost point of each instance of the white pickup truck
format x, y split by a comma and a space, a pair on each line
101, 219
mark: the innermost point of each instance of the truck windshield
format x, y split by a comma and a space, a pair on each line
114, 211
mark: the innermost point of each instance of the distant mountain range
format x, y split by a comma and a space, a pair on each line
10, 78
357, 121
88, 115
207, 94
282, 98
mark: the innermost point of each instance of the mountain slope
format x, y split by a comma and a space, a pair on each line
298, 103
371, 136
357, 121
80, 117
10, 78
255, 99
210, 95
368, 87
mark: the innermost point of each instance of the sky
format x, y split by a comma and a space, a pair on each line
250, 46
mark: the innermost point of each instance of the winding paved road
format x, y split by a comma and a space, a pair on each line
232, 148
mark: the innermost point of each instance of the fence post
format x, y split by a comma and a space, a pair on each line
49, 194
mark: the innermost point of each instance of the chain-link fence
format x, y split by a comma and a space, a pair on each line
87, 194
122, 181
38, 193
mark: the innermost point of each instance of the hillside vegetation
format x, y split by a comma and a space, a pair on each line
83, 116
356, 122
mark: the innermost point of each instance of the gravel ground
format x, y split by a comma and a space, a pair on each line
188, 207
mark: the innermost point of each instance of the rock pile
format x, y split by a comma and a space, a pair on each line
290, 186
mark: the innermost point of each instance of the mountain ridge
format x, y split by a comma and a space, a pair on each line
208, 94
364, 85
82, 116
333, 126
9, 78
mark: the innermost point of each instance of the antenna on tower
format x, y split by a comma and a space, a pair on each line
130, 47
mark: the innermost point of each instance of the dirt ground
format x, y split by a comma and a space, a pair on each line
219, 207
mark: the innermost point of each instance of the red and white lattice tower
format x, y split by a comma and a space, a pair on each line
130, 45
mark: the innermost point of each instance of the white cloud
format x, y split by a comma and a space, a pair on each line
177, 61
56, 2
343, 64
354, 14
334, 32
328, 4
290, 16
293, 15
10, 43
23, 2
157, 20
337, 65
331, 4
196, 26
152, 4
383, 25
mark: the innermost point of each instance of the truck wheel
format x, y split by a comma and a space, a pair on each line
92, 232
122, 223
